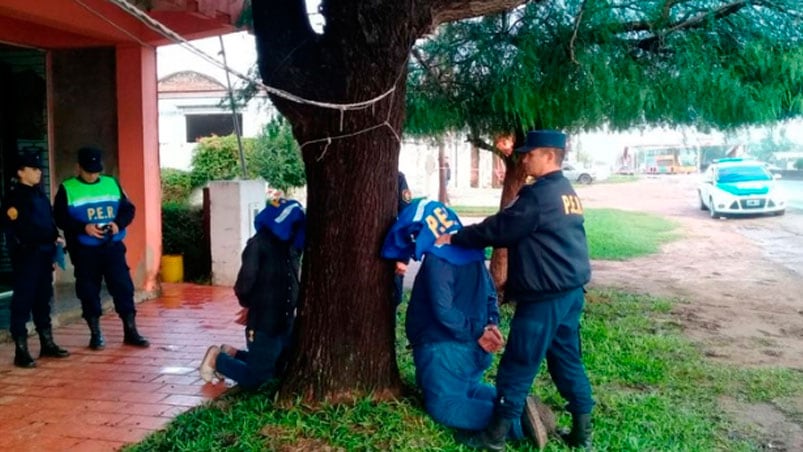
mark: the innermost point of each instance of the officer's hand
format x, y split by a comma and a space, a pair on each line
444, 239
115, 228
93, 230
60, 242
401, 268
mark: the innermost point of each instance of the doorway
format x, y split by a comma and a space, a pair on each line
23, 124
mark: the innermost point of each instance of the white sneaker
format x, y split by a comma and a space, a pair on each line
207, 368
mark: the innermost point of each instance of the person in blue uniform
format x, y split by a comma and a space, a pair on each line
548, 267
267, 289
93, 211
31, 238
452, 323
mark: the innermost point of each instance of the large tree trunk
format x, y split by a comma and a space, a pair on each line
345, 335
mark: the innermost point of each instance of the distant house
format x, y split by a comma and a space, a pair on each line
194, 105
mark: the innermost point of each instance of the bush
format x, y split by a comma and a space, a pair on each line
799, 164
176, 185
277, 157
183, 233
218, 158
274, 156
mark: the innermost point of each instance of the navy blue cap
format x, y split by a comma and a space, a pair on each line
90, 159
29, 158
543, 139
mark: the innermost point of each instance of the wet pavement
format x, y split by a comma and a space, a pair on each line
101, 400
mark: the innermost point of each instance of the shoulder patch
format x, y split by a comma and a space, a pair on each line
12, 213
406, 195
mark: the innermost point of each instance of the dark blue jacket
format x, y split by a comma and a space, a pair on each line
544, 234
27, 220
450, 302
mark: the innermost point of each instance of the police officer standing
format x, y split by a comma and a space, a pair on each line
547, 269
31, 237
94, 212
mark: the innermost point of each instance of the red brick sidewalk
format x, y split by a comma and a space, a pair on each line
101, 400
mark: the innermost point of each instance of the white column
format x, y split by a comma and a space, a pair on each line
233, 206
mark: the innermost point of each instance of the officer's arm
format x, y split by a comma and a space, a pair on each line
503, 229
61, 214
441, 278
126, 211
247, 276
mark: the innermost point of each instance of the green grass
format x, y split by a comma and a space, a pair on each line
654, 392
621, 235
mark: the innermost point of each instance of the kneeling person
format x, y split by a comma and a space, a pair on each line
452, 323
267, 289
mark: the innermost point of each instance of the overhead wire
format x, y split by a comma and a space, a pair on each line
166, 32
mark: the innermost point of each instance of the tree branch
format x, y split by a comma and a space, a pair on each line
441, 11
577, 19
475, 140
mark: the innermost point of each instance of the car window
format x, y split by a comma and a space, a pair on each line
744, 173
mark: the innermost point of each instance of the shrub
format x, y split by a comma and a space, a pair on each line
183, 233
277, 157
218, 158
176, 185
799, 164
274, 156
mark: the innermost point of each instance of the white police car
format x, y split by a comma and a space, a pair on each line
735, 186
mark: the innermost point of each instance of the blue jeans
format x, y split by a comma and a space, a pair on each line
250, 369
551, 329
449, 374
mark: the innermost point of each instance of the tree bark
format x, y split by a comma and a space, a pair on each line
344, 347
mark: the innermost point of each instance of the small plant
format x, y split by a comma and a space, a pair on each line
799, 164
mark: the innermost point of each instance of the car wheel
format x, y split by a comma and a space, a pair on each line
702, 204
584, 179
711, 209
779, 213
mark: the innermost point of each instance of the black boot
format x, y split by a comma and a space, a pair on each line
96, 341
492, 438
580, 435
131, 336
49, 348
22, 358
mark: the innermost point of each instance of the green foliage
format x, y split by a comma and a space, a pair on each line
183, 233
799, 164
176, 185
621, 235
654, 391
578, 65
218, 158
273, 156
277, 157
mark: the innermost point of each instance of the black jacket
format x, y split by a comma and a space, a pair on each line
27, 219
267, 283
543, 231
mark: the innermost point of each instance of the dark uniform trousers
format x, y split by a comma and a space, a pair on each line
32, 267
548, 328
92, 265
